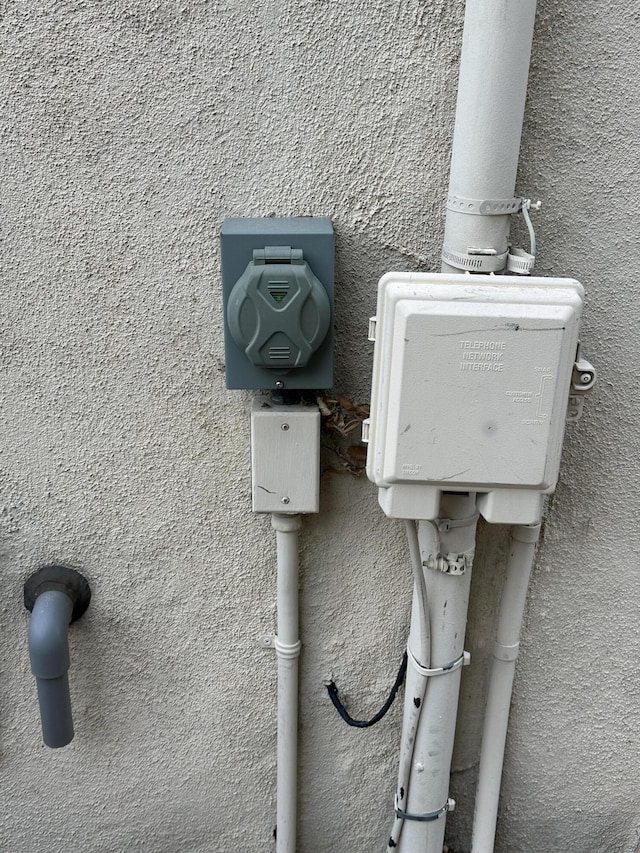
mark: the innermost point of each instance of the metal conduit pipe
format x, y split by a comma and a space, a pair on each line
56, 596
514, 596
494, 67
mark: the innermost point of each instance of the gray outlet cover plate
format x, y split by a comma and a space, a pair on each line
239, 237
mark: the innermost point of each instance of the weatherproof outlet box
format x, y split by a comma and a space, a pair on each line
285, 457
278, 286
470, 389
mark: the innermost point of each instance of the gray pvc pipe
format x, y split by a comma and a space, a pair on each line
49, 654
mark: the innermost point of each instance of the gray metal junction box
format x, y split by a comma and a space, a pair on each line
277, 282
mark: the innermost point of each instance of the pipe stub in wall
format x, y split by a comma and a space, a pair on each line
62, 578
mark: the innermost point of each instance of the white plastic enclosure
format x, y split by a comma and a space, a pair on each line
285, 457
471, 380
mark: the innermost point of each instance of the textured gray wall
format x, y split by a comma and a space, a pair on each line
129, 129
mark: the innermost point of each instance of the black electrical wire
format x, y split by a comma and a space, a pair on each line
363, 724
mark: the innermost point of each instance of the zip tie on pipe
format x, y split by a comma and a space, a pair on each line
463, 660
519, 261
449, 806
444, 525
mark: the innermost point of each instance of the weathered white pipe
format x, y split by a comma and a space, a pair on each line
287, 645
420, 639
427, 790
494, 68
514, 596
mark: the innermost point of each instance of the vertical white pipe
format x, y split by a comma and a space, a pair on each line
448, 596
494, 68
514, 596
287, 645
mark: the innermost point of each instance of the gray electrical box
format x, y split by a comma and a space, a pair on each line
277, 281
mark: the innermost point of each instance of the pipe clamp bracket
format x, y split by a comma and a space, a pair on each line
463, 660
449, 806
286, 651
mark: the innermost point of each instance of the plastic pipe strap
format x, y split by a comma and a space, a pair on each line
287, 651
463, 660
428, 816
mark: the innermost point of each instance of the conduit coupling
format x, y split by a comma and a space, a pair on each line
526, 533
285, 523
502, 652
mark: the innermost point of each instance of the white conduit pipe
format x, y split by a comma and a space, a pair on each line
514, 596
420, 639
494, 67
287, 645
429, 745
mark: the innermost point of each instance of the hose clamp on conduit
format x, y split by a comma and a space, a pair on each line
285, 651
475, 260
463, 660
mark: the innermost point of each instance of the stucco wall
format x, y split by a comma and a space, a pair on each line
129, 129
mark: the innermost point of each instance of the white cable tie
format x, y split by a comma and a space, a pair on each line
446, 524
287, 651
526, 206
463, 660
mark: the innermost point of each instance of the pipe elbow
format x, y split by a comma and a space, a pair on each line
55, 595
48, 634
